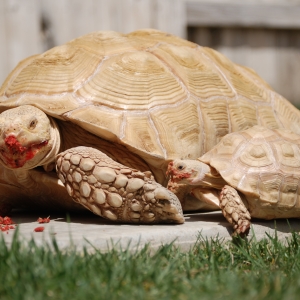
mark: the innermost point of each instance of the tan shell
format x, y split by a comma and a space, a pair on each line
264, 165
151, 91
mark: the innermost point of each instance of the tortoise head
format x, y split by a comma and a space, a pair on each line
194, 172
187, 171
27, 138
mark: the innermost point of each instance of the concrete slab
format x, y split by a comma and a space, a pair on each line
88, 230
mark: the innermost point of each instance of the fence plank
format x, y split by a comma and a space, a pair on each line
170, 16
20, 34
68, 19
284, 14
4, 57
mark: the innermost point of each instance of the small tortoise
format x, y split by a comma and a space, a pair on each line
255, 173
132, 103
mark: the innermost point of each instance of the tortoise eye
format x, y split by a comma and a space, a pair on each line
33, 124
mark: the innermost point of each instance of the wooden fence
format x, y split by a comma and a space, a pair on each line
261, 34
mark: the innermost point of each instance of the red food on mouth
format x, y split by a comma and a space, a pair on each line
13, 144
17, 155
175, 174
182, 175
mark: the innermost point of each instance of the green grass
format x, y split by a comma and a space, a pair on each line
267, 269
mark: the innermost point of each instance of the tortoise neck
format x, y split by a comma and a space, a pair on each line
48, 161
214, 181
212, 178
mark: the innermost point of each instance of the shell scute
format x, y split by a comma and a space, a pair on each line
241, 78
140, 131
269, 185
178, 126
98, 120
256, 156
243, 115
289, 194
288, 156
133, 81
60, 70
198, 74
216, 121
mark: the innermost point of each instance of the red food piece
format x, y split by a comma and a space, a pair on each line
39, 229
6, 224
6, 221
43, 220
4, 227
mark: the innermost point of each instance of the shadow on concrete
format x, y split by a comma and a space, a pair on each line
281, 225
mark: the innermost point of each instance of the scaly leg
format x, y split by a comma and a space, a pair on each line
235, 211
115, 191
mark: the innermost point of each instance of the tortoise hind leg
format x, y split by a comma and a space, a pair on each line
115, 191
235, 211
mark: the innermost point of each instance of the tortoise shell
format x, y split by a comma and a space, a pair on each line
264, 165
155, 93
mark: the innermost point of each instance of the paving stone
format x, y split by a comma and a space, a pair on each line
90, 231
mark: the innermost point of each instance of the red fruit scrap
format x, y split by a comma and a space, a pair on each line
39, 229
43, 220
6, 224
7, 221
4, 227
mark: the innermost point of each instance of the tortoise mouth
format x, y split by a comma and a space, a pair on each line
14, 155
177, 173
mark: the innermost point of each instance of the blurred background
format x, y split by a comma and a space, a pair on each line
261, 34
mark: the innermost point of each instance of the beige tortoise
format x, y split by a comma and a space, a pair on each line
255, 172
143, 99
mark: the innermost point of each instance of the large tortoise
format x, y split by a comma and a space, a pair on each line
143, 99
254, 172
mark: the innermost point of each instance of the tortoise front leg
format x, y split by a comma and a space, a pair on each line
235, 211
115, 191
